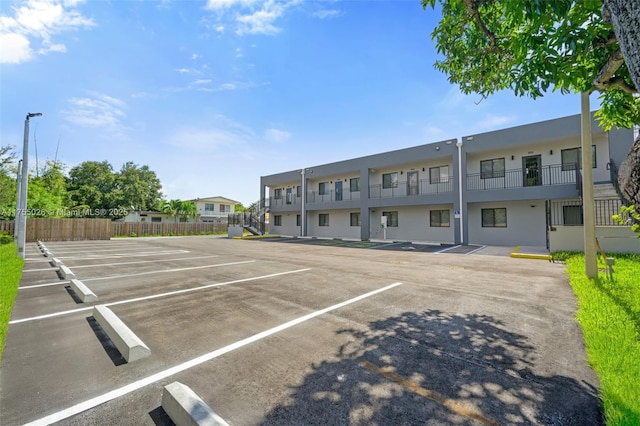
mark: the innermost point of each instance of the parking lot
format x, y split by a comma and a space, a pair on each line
268, 333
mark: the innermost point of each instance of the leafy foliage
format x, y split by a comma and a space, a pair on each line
532, 46
629, 215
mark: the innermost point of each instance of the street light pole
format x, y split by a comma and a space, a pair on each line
15, 220
590, 253
21, 216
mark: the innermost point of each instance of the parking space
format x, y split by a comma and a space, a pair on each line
303, 333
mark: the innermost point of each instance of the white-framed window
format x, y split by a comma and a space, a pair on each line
439, 218
494, 218
390, 180
209, 207
493, 168
392, 219
439, 174
355, 219
225, 208
323, 219
573, 156
277, 220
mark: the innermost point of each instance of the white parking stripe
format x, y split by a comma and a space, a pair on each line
126, 263
108, 277
94, 402
155, 296
117, 255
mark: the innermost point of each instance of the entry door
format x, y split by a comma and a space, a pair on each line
338, 189
531, 170
412, 183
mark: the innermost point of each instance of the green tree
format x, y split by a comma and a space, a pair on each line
91, 185
188, 209
138, 187
239, 208
7, 182
172, 208
532, 46
48, 192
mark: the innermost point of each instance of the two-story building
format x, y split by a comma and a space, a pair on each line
501, 187
214, 209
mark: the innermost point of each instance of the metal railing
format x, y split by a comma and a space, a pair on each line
570, 213
405, 189
517, 178
317, 197
613, 174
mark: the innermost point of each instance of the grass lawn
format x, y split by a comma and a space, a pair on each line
10, 272
609, 313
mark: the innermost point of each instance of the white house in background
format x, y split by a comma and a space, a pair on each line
210, 209
147, 216
214, 209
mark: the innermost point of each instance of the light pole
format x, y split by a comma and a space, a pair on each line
21, 218
590, 253
15, 220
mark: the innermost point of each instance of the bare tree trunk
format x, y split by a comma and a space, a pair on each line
624, 16
629, 175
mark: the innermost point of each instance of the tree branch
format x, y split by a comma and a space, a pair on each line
475, 14
605, 80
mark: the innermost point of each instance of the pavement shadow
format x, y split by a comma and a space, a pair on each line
108, 345
436, 368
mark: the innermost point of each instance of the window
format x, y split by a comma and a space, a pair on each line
298, 191
392, 219
390, 180
572, 215
492, 168
439, 174
494, 218
277, 220
323, 219
573, 156
323, 188
182, 219
355, 219
439, 218
289, 195
354, 184
298, 220
277, 194
225, 208
156, 219
208, 207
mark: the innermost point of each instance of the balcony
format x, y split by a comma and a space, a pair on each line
405, 189
289, 199
317, 197
518, 178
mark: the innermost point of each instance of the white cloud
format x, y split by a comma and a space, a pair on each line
250, 16
277, 136
14, 48
491, 121
195, 56
98, 110
327, 14
202, 82
239, 53
38, 20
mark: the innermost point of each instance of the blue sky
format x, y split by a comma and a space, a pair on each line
211, 95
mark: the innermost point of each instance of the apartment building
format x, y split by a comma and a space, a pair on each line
501, 188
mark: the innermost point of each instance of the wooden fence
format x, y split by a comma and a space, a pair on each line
103, 229
146, 229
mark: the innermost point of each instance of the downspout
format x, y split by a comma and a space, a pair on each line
459, 145
302, 210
